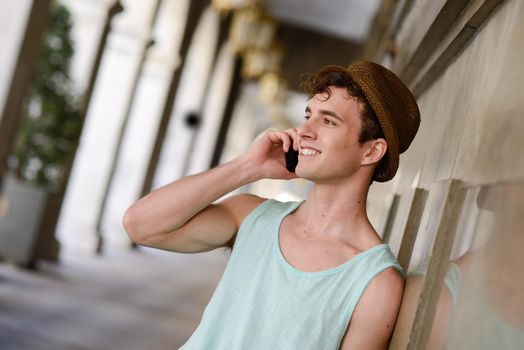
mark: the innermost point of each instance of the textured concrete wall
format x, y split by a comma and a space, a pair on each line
471, 119
471, 130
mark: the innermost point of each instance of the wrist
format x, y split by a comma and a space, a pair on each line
247, 169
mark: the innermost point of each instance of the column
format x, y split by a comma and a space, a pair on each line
143, 122
119, 67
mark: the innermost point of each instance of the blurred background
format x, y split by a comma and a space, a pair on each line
103, 101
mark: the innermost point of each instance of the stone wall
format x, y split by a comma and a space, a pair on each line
470, 140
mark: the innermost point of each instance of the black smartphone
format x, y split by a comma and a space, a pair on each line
291, 159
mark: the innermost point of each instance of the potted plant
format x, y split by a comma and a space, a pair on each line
46, 141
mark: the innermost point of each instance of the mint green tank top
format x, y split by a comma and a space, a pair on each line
263, 302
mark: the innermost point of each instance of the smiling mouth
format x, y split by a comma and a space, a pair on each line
309, 152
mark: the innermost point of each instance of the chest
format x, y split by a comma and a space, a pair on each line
310, 253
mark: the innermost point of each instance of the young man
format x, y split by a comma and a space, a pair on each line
306, 275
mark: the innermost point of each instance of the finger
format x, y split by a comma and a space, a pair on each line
296, 138
293, 138
286, 141
293, 134
282, 137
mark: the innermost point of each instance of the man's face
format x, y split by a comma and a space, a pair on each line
329, 147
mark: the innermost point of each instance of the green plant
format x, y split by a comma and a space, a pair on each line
48, 134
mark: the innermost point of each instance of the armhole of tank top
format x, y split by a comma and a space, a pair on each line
251, 217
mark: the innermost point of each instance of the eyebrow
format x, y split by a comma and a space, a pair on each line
326, 112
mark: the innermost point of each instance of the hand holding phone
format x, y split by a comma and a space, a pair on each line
291, 159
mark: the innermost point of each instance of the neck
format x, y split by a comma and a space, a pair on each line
338, 210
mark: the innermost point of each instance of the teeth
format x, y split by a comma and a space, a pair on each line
308, 152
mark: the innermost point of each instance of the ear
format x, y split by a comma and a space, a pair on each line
374, 151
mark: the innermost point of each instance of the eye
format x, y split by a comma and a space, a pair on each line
328, 122
306, 117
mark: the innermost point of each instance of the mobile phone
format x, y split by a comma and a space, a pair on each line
291, 159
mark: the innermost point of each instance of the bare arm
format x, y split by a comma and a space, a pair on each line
375, 314
181, 217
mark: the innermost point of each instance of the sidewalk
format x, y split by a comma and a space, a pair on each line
144, 299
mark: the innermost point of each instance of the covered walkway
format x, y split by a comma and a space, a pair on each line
164, 89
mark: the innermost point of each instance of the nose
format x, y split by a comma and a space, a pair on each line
306, 130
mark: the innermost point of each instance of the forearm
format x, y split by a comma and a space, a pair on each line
170, 207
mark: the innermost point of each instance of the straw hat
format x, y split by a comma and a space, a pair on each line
395, 107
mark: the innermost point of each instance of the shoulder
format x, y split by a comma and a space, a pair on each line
389, 283
382, 295
375, 315
239, 206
